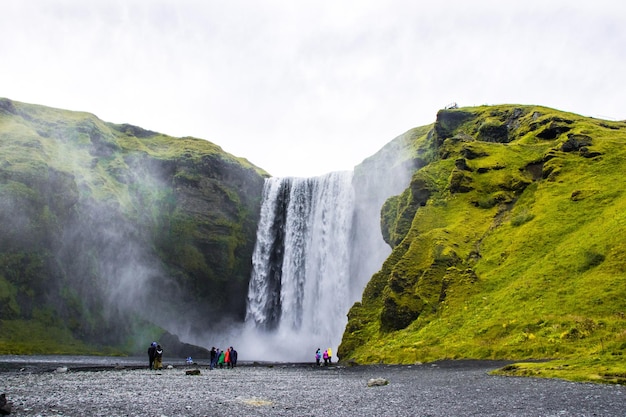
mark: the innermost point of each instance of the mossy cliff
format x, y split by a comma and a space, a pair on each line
112, 232
508, 244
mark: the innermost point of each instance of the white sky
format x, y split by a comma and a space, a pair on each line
302, 88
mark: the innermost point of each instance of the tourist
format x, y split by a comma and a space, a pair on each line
220, 360
151, 353
325, 356
227, 358
213, 358
158, 358
217, 357
233, 357
318, 356
330, 355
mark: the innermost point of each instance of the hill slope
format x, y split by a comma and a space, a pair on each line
508, 244
110, 232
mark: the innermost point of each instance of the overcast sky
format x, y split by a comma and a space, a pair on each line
302, 88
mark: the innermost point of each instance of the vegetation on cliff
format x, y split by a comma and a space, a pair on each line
508, 244
112, 233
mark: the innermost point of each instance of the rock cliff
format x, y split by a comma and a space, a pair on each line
505, 244
109, 231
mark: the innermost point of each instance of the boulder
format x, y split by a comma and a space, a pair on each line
377, 382
576, 142
5, 406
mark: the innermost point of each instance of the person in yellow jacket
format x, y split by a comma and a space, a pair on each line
158, 358
330, 355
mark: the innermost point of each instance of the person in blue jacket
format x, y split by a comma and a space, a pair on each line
151, 354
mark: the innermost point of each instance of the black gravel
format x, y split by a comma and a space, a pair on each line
461, 388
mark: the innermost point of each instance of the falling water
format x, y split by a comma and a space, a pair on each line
299, 291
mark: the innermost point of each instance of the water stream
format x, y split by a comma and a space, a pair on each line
299, 291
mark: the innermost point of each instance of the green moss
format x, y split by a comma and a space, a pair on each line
20, 337
9, 308
601, 367
73, 187
516, 253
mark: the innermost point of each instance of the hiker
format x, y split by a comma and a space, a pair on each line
220, 360
233, 357
151, 353
330, 355
217, 357
325, 356
227, 358
158, 358
318, 356
213, 358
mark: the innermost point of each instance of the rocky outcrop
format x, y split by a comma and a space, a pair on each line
5, 405
506, 193
108, 229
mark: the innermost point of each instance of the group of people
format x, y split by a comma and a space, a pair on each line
221, 358
155, 356
327, 356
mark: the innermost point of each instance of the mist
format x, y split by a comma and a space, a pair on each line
118, 242
319, 242
117, 265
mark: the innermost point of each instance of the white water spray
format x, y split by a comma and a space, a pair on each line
299, 291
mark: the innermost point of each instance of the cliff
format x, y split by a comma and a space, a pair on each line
111, 233
506, 245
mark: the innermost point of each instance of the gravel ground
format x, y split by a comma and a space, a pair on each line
442, 389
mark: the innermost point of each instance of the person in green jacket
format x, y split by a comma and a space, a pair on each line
220, 360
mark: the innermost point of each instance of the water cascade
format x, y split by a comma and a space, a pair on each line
319, 242
299, 289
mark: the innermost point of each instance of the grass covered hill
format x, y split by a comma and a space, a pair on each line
508, 244
110, 233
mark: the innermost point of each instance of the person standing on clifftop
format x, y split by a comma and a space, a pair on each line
151, 353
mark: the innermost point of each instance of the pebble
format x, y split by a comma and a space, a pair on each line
460, 389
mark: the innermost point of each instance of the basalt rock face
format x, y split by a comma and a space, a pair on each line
502, 232
108, 229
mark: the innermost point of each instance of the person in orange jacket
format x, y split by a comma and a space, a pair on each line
227, 358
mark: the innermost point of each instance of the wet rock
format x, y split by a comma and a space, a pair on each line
554, 130
452, 388
192, 372
461, 164
377, 382
5, 406
494, 132
576, 142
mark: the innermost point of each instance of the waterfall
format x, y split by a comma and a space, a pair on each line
299, 292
